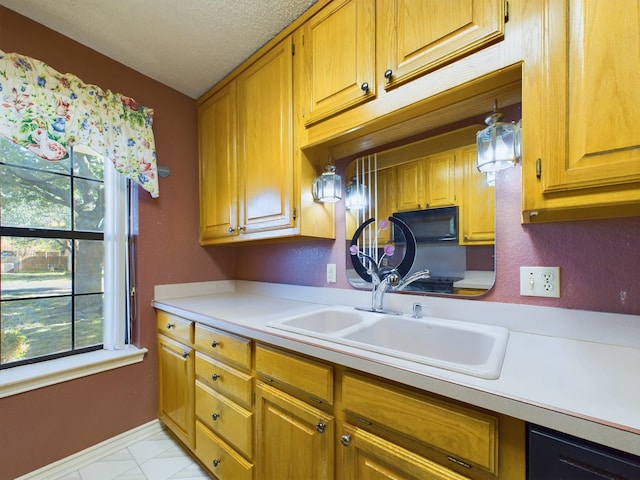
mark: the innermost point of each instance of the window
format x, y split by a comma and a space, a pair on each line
63, 234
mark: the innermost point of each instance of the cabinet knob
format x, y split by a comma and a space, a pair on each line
215, 377
215, 416
388, 74
241, 229
185, 354
231, 230
345, 439
216, 462
214, 344
170, 326
364, 87
321, 427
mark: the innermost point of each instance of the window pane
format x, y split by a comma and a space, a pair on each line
34, 199
87, 164
36, 327
89, 315
12, 154
88, 198
89, 262
35, 267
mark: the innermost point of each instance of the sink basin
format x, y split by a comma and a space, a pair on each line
463, 347
323, 322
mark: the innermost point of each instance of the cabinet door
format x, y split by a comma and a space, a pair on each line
477, 209
295, 440
176, 388
385, 202
339, 50
585, 112
410, 185
217, 150
416, 36
440, 179
265, 155
363, 456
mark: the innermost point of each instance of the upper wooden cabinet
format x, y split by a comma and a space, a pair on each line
581, 141
410, 187
339, 54
218, 171
265, 143
416, 36
440, 179
477, 206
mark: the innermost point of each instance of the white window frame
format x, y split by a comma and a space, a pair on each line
116, 352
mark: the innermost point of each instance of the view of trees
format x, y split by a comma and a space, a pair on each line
51, 227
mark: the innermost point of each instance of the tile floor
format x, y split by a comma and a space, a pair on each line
156, 457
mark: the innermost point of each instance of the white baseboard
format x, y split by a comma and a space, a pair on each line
93, 453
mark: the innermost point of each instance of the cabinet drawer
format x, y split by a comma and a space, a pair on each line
313, 378
175, 327
224, 379
463, 434
223, 345
225, 418
219, 458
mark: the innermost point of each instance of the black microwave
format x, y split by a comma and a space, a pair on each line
432, 225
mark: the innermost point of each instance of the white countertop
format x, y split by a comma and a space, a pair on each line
556, 372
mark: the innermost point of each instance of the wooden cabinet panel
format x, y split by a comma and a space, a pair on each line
416, 36
313, 379
477, 210
175, 388
223, 345
217, 136
225, 379
265, 149
297, 440
219, 458
226, 419
440, 179
464, 434
339, 50
581, 98
175, 327
363, 456
410, 185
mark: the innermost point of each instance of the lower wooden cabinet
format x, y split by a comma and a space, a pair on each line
364, 456
295, 439
251, 411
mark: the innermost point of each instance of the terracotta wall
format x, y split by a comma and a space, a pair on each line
42, 426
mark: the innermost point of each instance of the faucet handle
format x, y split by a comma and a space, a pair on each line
393, 279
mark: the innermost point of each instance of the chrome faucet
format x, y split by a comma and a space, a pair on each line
392, 282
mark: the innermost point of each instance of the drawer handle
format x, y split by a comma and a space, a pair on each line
321, 427
215, 416
214, 344
345, 439
216, 462
215, 377
170, 326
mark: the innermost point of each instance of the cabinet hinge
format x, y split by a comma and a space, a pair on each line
539, 168
506, 12
295, 213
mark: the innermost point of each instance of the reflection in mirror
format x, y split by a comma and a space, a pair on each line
433, 186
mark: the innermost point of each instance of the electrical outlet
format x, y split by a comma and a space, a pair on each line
331, 273
540, 281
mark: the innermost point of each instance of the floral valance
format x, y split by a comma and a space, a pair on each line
47, 112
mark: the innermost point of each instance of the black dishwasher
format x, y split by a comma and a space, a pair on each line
553, 455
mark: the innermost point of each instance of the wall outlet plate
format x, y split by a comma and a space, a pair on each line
331, 273
540, 281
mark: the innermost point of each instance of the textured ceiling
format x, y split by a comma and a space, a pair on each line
188, 45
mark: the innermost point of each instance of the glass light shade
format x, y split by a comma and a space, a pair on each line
356, 195
327, 188
496, 145
491, 179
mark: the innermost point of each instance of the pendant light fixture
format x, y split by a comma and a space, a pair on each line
327, 188
356, 195
497, 144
